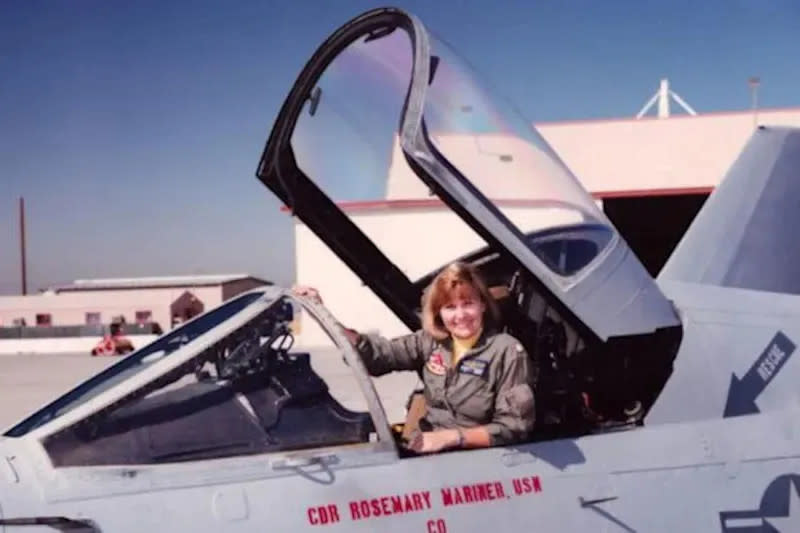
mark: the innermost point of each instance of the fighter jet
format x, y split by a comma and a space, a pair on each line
665, 404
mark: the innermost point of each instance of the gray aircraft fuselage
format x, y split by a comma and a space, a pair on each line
224, 424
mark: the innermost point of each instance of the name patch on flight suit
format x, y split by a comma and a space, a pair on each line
436, 364
476, 367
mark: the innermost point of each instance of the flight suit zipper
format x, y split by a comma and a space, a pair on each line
451, 374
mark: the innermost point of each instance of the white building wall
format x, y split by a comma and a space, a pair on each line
343, 293
679, 152
418, 240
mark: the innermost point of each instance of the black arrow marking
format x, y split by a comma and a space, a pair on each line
743, 392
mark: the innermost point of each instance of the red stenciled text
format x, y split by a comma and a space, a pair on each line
526, 485
413, 502
390, 505
480, 492
325, 514
437, 526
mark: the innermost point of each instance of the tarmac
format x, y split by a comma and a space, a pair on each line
29, 382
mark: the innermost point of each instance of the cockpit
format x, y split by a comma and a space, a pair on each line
232, 383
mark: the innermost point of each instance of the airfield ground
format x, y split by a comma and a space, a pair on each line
28, 382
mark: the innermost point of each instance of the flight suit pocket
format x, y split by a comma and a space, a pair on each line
473, 399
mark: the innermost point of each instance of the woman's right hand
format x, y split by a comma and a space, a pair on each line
313, 294
308, 292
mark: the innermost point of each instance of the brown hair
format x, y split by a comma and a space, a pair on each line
452, 279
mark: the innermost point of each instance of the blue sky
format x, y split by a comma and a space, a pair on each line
133, 129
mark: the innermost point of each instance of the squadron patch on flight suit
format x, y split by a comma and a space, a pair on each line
476, 367
436, 364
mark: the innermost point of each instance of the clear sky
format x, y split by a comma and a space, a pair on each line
133, 129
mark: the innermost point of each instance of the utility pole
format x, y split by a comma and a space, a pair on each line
754, 82
22, 245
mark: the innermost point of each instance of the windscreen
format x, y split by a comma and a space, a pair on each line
248, 392
135, 363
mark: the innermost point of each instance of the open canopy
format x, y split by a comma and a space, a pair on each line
386, 112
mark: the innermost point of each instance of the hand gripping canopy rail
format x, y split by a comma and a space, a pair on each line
384, 110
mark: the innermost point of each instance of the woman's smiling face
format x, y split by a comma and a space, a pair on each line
462, 315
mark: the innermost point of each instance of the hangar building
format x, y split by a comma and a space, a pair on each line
161, 300
649, 175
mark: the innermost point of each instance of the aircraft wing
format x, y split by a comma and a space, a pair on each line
745, 235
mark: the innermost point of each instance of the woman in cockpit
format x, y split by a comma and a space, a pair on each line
478, 380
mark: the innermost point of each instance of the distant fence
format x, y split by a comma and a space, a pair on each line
52, 332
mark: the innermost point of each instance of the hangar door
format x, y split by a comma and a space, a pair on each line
654, 224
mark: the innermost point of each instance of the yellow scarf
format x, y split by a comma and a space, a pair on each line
462, 346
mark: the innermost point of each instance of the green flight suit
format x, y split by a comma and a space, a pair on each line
491, 385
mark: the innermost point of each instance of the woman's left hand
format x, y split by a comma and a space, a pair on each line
434, 441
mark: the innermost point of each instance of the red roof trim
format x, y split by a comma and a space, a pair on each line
634, 193
423, 203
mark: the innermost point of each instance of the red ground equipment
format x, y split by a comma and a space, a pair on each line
115, 343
